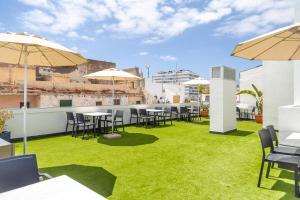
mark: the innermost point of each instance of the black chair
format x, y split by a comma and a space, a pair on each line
70, 121
184, 113
194, 113
19, 171
134, 115
290, 162
118, 119
168, 114
144, 117
160, 117
252, 113
281, 149
238, 113
85, 124
174, 112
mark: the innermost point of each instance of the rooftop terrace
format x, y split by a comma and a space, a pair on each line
182, 161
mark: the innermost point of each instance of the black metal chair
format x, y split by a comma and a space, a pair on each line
252, 113
184, 113
71, 121
281, 149
19, 171
290, 162
144, 117
168, 114
194, 113
118, 119
160, 117
238, 113
84, 124
174, 112
134, 115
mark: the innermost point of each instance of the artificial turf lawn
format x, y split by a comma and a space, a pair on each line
183, 161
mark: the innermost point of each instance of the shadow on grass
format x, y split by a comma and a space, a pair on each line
240, 133
95, 178
129, 139
282, 186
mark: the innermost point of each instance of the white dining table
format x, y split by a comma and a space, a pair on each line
97, 114
154, 110
59, 188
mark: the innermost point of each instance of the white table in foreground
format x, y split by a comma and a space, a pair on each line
59, 188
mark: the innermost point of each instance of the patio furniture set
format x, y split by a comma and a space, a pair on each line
101, 122
287, 157
20, 179
245, 113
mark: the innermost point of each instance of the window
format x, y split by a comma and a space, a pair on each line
116, 101
22, 104
98, 103
138, 102
65, 103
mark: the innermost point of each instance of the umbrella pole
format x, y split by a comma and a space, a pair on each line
198, 102
25, 102
113, 103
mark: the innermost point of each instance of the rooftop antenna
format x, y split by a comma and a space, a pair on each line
148, 69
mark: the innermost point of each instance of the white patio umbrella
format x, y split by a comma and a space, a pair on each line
281, 44
197, 81
113, 75
24, 49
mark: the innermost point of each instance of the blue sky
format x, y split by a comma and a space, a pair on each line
192, 34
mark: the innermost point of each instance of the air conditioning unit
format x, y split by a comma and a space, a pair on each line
222, 100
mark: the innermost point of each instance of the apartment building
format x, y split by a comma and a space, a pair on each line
178, 77
66, 86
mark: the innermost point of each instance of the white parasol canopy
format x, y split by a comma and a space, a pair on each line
197, 81
24, 49
112, 74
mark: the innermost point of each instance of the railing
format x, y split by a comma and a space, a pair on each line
44, 121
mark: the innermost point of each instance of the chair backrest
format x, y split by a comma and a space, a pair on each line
266, 140
119, 114
143, 112
273, 134
166, 109
70, 116
183, 109
158, 108
133, 111
174, 109
18, 171
80, 118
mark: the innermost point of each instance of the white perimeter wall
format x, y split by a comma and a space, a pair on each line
278, 88
247, 78
42, 121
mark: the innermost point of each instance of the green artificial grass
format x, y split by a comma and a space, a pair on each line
183, 161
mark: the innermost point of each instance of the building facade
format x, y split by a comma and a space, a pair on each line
65, 86
178, 77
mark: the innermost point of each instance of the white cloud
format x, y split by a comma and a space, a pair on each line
144, 53
168, 58
255, 17
155, 20
73, 34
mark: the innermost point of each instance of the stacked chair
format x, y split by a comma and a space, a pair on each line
286, 157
